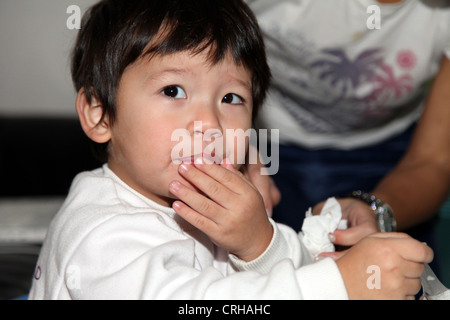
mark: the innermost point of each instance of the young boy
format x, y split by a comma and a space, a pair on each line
150, 226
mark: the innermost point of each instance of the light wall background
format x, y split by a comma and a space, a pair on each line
35, 45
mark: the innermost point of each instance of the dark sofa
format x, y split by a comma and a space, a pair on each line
38, 159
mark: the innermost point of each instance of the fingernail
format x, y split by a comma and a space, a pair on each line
331, 237
176, 205
199, 160
183, 167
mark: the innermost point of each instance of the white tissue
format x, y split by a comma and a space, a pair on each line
316, 228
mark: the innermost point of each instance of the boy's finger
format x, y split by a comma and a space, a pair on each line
411, 287
413, 270
226, 176
193, 217
207, 184
198, 202
409, 248
415, 251
227, 165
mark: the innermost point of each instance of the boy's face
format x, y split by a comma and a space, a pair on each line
170, 109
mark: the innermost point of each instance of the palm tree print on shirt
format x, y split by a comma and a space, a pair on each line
340, 70
363, 88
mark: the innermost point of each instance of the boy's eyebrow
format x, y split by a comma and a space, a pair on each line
243, 83
158, 74
155, 75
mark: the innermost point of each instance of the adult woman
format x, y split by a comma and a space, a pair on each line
347, 100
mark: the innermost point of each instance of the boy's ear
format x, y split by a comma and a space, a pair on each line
90, 115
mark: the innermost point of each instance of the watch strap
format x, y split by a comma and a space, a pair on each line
382, 210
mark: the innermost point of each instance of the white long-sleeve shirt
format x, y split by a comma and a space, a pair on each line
110, 242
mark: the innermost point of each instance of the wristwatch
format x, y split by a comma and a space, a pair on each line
383, 212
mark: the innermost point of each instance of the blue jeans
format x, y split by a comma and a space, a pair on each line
306, 177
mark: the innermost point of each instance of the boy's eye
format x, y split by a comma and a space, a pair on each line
232, 99
175, 92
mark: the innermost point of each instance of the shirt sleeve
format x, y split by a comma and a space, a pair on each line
285, 244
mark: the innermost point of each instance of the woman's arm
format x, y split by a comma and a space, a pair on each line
420, 183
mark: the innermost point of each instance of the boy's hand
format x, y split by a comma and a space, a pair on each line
228, 208
384, 266
264, 183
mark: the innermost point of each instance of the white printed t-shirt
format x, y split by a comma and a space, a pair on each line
339, 84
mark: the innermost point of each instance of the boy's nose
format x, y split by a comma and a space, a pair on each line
207, 132
204, 121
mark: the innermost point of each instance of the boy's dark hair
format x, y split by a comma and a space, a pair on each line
115, 33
